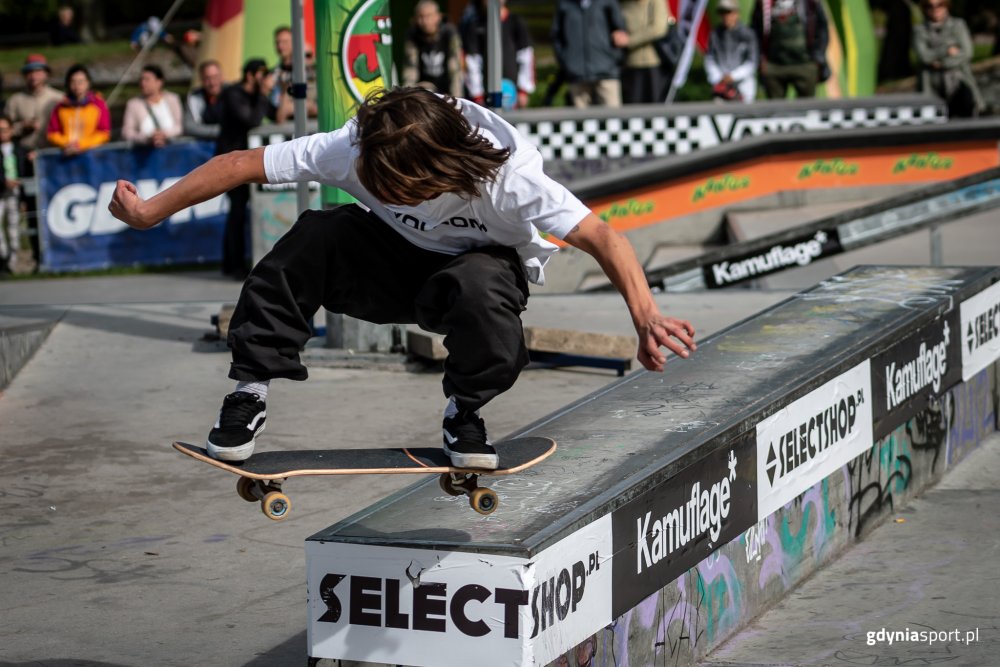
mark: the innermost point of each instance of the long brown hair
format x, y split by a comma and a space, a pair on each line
415, 145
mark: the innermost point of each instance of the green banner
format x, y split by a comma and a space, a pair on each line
853, 21
356, 38
259, 21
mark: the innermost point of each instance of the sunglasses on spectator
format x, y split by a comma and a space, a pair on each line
935, 5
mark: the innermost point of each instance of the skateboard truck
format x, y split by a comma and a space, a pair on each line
481, 499
273, 503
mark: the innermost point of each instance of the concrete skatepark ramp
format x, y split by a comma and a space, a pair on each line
665, 489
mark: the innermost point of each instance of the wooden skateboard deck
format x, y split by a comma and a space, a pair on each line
262, 474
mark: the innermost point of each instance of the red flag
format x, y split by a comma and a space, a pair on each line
677, 9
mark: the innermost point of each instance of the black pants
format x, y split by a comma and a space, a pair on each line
962, 103
350, 262
642, 85
777, 78
234, 246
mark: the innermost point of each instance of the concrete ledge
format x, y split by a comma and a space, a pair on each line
20, 338
538, 339
679, 506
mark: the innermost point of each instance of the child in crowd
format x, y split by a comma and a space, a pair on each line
10, 211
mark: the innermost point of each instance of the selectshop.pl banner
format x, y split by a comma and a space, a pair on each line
809, 439
980, 331
78, 232
433, 608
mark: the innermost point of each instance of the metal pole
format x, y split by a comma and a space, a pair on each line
298, 90
936, 249
141, 56
494, 58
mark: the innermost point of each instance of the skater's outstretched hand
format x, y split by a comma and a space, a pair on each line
660, 331
126, 205
220, 174
617, 258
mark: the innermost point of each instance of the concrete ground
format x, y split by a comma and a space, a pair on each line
931, 568
117, 551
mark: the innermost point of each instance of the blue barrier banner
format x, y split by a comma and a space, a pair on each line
78, 232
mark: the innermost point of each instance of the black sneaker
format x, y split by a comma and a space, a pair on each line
465, 442
240, 421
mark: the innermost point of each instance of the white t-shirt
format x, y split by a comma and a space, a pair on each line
510, 211
163, 116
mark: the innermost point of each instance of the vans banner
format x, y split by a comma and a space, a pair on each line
812, 437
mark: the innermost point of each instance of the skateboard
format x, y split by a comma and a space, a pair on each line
262, 475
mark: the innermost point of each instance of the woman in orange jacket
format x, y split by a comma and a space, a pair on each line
81, 120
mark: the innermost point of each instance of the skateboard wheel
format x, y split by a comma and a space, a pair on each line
447, 485
276, 505
483, 500
245, 487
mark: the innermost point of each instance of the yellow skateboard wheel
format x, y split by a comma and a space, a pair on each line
483, 500
276, 506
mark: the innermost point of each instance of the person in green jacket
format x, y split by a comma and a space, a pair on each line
944, 50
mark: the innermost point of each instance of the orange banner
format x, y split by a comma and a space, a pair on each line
752, 179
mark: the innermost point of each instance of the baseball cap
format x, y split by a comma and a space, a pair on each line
727, 6
35, 61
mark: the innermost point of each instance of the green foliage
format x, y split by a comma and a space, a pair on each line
61, 57
20, 16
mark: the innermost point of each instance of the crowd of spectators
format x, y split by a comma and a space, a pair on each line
77, 119
608, 52
614, 52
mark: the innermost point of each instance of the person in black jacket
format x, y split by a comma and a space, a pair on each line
517, 55
433, 52
793, 36
203, 107
243, 107
588, 36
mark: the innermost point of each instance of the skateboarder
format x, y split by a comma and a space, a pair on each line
452, 200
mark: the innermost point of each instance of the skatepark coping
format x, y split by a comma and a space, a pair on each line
632, 435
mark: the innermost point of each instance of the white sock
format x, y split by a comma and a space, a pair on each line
451, 409
259, 388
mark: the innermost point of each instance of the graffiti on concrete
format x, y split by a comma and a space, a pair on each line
973, 417
698, 610
797, 536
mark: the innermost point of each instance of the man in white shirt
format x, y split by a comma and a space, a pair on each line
455, 201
